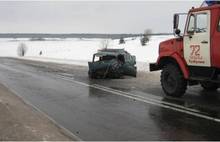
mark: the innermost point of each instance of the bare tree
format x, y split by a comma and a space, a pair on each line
104, 44
22, 49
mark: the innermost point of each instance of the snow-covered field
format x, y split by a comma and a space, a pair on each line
80, 51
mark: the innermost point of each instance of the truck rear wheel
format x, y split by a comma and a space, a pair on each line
209, 86
172, 81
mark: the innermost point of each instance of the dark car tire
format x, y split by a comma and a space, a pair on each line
172, 81
209, 86
135, 75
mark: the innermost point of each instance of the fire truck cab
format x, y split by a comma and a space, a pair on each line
193, 57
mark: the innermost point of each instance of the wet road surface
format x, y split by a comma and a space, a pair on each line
119, 109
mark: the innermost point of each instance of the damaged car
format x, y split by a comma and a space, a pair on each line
112, 63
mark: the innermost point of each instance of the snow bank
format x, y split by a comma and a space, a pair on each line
80, 51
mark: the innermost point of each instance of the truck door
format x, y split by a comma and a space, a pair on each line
197, 39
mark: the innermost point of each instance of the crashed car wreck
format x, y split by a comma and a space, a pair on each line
112, 63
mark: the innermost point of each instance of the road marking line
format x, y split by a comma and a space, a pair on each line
139, 98
159, 103
151, 99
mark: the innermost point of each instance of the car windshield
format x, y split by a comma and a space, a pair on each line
103, 58
108, 57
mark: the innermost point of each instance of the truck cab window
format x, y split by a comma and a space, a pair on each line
191, 26
201, 23
198, 23
219, 25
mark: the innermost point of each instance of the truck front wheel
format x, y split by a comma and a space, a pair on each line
172, 81
209, 86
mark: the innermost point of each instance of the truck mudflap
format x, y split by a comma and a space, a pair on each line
154, 67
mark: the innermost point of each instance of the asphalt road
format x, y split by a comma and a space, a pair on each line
119, 109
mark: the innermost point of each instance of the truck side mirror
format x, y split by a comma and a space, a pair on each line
176, 24
177, 31
175, 21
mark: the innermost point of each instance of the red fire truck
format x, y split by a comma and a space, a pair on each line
192, 57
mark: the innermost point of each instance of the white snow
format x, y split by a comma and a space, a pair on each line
80, 51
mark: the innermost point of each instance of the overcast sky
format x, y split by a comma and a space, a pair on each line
90, 17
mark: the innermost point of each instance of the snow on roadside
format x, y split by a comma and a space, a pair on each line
56, 60
80, 51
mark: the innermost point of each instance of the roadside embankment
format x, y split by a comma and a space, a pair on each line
21, 122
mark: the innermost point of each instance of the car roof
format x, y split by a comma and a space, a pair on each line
110, 52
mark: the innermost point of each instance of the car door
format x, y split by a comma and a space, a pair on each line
197, 39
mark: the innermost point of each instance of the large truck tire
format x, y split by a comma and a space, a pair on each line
172, 81
209, 86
